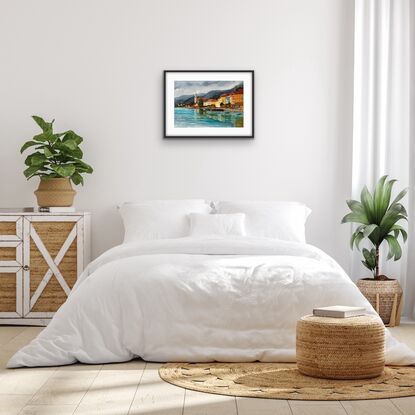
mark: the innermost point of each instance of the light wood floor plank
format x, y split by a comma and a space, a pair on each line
67, 386
405, 405
48, 410
155, 396
13, 404
316, 408
23, 335
250, 406
378, 407
198, 403
9, 332
112, 391
22, 338
24, 381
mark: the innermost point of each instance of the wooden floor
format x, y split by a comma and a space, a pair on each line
135, 388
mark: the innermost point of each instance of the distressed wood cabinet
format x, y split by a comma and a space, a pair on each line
41, 257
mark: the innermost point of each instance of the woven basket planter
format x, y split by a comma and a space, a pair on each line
340, 348
55, 192
385, 297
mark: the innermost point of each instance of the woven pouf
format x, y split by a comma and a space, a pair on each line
341, 348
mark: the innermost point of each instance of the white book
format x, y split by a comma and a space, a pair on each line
57, 209
339, 311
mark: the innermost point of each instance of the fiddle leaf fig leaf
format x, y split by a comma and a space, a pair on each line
45, 126
77, 178
64, 170
27, 145
48, 153
30, 171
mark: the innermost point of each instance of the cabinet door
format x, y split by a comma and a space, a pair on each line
11, 294
11, 228
53, 260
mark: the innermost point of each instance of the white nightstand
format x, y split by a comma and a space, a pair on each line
41, 257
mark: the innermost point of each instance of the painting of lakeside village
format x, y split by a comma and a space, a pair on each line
216, 104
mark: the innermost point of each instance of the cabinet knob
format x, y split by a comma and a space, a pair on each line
26, 268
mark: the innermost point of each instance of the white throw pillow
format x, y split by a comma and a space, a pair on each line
159, 219
217, 225
279, 220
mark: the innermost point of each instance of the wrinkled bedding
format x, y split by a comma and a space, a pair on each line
196, 300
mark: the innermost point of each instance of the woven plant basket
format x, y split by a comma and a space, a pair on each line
340, 348
55, 192
385, 297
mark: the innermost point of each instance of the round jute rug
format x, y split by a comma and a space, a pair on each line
284, 381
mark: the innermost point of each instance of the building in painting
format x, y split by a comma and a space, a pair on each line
221, 101
237, 98
209, 102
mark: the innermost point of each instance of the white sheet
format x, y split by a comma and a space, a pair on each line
195, 300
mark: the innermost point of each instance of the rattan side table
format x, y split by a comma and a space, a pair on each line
341, 348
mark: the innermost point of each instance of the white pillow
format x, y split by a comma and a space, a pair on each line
159, 219
279, 220
221, 225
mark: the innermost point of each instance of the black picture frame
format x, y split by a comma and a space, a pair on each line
172, 137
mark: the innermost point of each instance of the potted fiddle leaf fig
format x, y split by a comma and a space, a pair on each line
377, 218
57, 159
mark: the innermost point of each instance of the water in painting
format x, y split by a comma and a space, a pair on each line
199, 104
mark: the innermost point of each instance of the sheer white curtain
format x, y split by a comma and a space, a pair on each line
383, 131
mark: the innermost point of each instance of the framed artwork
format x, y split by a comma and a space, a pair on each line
208, 104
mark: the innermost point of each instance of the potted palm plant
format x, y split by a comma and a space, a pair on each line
57, 160
377, 219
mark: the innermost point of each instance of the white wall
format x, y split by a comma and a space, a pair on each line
96, 67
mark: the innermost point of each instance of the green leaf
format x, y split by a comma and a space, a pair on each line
358, 240
70, 144
395, 250
35, 159
367, 202
355, 206
28, 144
42, 137
83, 167
72, 136
399, 228
358, 230
356, 218
400, 196
369, 229
367, 265
47, 152
30, 171
77, 179
384, 203
370, 258
392, 215
400, 208
45, 126
379, 197
64, 170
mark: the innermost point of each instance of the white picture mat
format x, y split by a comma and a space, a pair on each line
245, 77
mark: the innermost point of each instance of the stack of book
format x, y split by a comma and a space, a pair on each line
339, 311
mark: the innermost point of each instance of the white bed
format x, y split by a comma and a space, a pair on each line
196, 299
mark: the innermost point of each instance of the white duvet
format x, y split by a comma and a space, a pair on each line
195, 300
